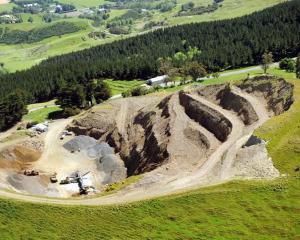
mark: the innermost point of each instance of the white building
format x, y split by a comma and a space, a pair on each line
157, 80
40, 127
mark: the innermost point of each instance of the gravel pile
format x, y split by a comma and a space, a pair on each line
35, 144
99, 150
80, 142
111, 167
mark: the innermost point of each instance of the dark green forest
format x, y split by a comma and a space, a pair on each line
224, 44
18, 36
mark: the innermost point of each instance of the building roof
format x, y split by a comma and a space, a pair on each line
158, 79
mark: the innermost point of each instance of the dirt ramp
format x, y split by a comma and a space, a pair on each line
189, 130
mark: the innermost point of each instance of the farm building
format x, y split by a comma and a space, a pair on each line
40, 128
157, 80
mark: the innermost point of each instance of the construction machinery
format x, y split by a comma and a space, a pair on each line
77, 178
31, 173
53, 178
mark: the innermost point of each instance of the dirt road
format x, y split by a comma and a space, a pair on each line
214, 170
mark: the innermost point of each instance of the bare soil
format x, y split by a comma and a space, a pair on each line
182, 141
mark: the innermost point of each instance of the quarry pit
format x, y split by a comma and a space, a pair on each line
199, 136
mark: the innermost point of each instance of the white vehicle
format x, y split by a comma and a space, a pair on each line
67, 133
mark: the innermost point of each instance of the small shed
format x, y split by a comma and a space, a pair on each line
40, 127
157, 80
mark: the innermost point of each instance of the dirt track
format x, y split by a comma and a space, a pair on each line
214, 170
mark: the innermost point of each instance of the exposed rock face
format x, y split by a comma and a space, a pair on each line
181, 129
224, 96
277, 92
209, 118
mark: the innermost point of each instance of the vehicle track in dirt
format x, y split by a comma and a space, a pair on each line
204, 174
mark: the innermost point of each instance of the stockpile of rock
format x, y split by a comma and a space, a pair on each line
111, 167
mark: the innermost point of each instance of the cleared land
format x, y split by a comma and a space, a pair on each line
246, 209
180, 142
236, 210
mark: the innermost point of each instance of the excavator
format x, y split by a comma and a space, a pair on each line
77, 178
31, 173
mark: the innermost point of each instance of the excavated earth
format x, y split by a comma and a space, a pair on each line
200, 136
192, 129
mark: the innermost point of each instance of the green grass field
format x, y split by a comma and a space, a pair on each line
119, 86
283, 132
42, 104
83, 4
41, 115
235, 210
6, 7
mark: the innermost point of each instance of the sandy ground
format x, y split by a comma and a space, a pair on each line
56, 159
216, 169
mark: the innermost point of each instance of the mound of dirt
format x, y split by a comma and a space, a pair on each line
80, 143
18, 158
253, 162
189, 128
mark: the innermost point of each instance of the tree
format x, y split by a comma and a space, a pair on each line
194, 70
12, 108
298, 66
173, 73
267, 61
102, 92
30, 19
72, 98
216, 75
180, 58
287, 64
164, 66
89, 89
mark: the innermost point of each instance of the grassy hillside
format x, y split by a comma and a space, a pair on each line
236, 210
21, 56
283, 132
120, 86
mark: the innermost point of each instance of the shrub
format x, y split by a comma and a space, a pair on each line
287, 64
70, 112
31, 124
